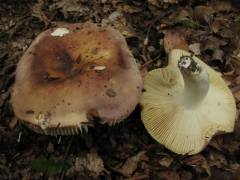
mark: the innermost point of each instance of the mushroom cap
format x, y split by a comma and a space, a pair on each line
180, 129
69, 75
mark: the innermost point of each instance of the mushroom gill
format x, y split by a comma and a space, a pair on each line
186, 103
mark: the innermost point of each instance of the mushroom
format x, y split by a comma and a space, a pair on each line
72, 74
186, 103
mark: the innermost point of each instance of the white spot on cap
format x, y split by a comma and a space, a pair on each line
60, 32
99, 68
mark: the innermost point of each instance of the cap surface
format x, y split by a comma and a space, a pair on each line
180, 129
73, 73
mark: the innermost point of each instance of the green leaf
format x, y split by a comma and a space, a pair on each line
188, 23
50, 166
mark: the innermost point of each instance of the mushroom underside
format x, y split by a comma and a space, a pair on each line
169, 120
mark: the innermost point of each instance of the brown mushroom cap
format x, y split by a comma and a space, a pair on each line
69, 75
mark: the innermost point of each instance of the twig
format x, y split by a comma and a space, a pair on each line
146, 41
146, 63
149, 62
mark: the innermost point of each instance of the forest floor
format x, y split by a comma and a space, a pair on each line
124, 151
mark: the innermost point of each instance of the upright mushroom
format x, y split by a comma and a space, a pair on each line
186, 103
74, 73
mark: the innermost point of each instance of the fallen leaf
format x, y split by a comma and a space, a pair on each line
237, 95
119, 22
13, 123
236, 169
230, 144
182, 14
185, 175
217, 159
171, 1
215, 26
211, 43
129, 9
91, 163
130, 164
226, 33
166, 161
203, 14
221, 174
216, 143
199, 163
195, 48
237, 80
218, 55
221, 5
168, 175
153, 2
173, 40
69, 8
39, 13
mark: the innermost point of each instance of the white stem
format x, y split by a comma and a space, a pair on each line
196, 82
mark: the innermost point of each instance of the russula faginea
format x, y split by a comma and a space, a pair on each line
74, 73
186, 103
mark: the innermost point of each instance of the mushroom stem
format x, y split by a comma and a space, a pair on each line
196, 82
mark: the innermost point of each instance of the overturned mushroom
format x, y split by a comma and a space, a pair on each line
186, 103
71, 74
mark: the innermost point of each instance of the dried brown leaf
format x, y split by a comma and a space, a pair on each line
119, 22
237, 95
153, 2
39, 13
212, 43
218, 173
217, 159
203, 14
92, 163
218, 55
13, 123
173, 40
171, 1
185, 175
215, 26
168, 175
199, 163
166, 161
75, 8
226, 33
195, 48
131, 164
221, 5
181, 14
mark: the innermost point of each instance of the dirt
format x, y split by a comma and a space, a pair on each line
123, 151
